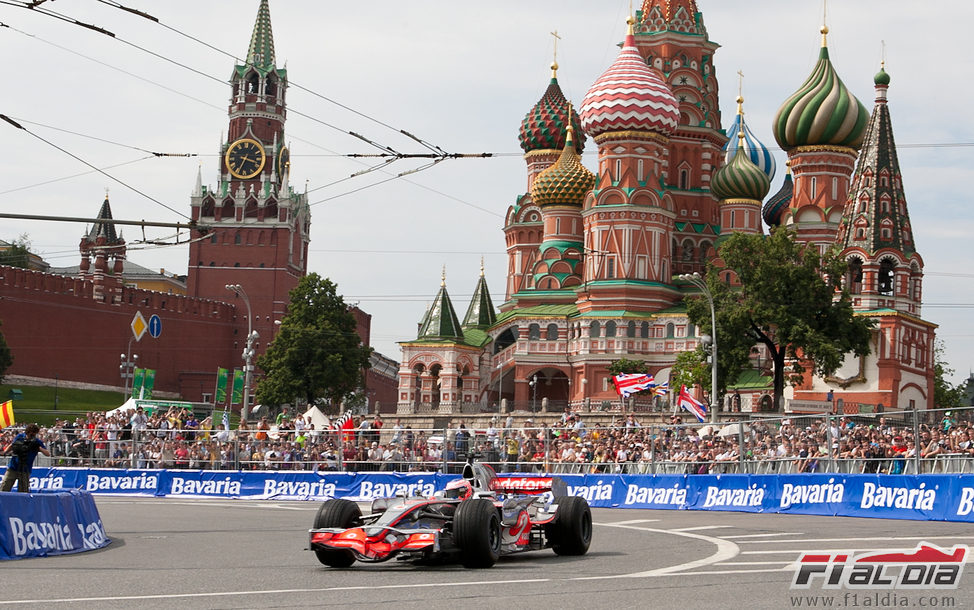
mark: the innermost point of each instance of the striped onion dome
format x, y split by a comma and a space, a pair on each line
630, 96
544, 126
779, 202
822, 112
754, 148
566, 181
740, 178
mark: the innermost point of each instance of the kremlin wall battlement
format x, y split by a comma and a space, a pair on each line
57, 329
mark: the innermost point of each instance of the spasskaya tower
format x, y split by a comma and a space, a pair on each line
254, 227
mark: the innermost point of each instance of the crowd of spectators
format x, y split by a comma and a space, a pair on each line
177, 439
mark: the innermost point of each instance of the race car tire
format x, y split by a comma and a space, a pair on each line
477, 533
571, 531
341, 513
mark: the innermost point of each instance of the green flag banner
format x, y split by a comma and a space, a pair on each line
238, 381
222, 375
138, 378
148, 383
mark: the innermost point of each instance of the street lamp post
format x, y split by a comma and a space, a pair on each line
534, 393
248, 352
697, 280
126, 368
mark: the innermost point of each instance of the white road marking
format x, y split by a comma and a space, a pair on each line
265, 592
754, 563
811, 540
710, 572
762, 536
701, 527
632, 522
725, 550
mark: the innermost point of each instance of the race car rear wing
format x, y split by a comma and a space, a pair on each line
530, 485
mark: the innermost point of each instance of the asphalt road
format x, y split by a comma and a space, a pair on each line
249, 554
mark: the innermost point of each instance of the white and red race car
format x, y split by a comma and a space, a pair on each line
475, 520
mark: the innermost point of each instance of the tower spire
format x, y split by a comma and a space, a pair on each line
260, 54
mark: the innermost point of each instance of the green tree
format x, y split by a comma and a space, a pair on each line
691, 368
6, 358
789, 300
625, 365
317, 353
18, 254
944, 394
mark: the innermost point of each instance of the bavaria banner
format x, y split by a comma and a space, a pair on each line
47, 523
920, 497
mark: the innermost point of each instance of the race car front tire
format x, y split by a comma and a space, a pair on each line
342, 514
571, 531
477, 533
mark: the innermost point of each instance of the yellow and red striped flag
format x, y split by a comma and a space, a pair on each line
7, 414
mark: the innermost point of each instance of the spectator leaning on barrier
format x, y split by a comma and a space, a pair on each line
24, 449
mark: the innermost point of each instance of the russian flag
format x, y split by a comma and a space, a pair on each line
630, 383
691, 404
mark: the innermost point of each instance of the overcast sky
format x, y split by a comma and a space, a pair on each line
462, 80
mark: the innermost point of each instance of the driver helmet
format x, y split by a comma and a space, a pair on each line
461, 489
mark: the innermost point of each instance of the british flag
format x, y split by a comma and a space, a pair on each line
630, 383
691, 404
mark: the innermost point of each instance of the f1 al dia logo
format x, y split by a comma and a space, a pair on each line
926, 567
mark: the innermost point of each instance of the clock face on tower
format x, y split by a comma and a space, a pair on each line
245, 158
283, 158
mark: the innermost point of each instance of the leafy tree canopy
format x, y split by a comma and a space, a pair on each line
317, 352
789, 299
944, 394
691, 368
17, 254
625, 365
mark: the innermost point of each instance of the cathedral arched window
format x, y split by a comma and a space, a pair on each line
552, 333
644, 330
854, 276
207, 210
684, 179
670, 330
610, 329
887, 269
687, 250
631, 329
534, 332
271, 87
595, 329
237, 239
691, 329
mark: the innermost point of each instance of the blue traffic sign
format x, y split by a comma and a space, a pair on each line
155, 326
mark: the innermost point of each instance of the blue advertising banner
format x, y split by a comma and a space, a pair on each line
49, 523
920, 497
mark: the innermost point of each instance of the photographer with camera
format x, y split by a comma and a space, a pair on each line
24, 449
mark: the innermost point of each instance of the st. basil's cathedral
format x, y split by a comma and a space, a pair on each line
593, 258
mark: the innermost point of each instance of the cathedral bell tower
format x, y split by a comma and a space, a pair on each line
254, 229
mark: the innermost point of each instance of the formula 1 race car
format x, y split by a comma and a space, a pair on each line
476, 519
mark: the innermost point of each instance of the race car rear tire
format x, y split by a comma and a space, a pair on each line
477, 533
340, 513
571, 531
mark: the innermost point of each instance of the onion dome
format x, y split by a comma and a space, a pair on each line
544, 126
630, 96
823, 112
779, 202
741, 178
882, 78
566, 181
754, 148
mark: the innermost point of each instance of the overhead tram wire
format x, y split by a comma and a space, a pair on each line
17, 125
435, 151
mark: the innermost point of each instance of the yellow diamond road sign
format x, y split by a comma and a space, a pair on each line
139, 326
